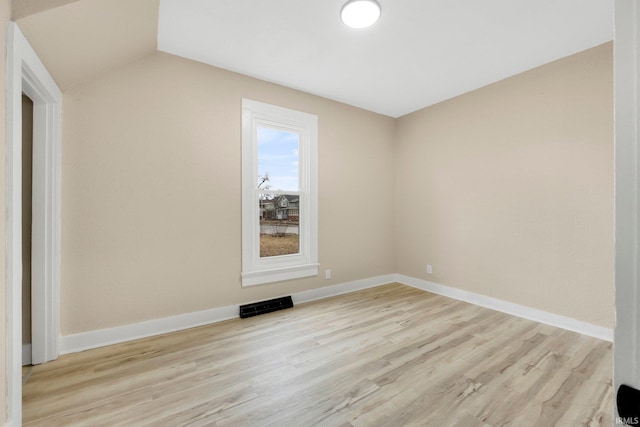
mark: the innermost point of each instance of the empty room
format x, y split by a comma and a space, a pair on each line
288, 213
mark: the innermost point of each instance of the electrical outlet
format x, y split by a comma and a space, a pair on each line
429, 269
327, 274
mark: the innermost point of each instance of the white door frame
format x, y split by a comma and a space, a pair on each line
26, 73
627, 185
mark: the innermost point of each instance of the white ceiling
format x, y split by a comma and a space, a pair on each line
420, 52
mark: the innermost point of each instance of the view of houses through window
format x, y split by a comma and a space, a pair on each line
278, 192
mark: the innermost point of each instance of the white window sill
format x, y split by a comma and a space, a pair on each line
279, 274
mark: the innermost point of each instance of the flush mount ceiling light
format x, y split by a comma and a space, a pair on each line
360, 13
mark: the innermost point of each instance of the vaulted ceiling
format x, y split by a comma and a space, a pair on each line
85, 38
420, 52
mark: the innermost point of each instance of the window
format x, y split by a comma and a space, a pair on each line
279, 194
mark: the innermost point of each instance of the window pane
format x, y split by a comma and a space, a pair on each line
279, 225
277, 159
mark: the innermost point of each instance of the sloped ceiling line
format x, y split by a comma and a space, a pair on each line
421, 52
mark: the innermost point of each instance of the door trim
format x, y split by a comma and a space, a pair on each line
26, 73
627, 185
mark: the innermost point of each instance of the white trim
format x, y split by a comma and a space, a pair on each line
99, 338
94, 339
45, 230
257, 270
13, 225
626, 353
343, 288
25, 72
279, 274
513, 309
26, 354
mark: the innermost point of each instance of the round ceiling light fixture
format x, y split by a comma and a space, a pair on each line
360, 13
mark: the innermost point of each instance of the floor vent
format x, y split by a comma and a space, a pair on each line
262, 307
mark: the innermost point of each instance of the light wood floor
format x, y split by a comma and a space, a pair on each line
388, 356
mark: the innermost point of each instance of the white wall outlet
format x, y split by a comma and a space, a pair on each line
429, 269
327, 274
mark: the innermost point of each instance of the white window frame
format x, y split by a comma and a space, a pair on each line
257, 270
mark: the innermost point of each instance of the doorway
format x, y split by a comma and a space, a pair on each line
27, 176
26, 74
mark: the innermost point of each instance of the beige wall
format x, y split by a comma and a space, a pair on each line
78, 43
508, 190
5, 13
23, 8
151, 192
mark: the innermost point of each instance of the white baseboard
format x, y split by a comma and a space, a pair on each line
102, 337
99, 338
26, 354
343, 288
510, 308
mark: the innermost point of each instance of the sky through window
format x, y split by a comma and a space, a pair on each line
278, 156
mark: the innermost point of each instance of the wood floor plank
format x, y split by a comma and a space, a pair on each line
387, 356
